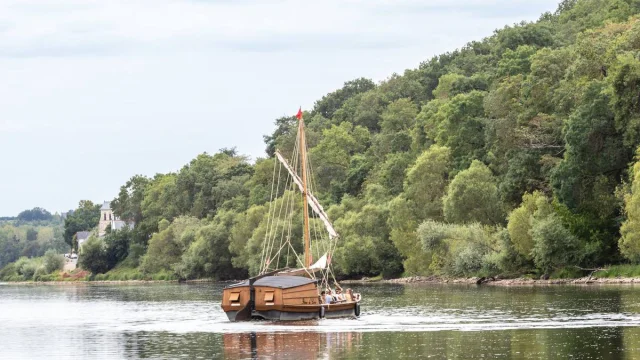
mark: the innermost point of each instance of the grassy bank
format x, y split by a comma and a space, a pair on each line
619, 271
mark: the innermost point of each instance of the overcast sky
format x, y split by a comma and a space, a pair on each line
93, 92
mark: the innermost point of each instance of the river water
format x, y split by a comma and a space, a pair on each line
168, 321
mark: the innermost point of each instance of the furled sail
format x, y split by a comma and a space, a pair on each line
321, 263
313, 202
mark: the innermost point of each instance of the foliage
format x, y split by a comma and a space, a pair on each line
473, 196
35, 214
521, 221
84, 218
53, 261
93, 256
630, 229
554, 245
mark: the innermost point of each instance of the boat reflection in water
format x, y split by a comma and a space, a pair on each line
290, 345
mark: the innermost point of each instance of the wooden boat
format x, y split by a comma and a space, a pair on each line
292, 294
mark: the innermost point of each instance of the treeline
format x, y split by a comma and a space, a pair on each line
20, 237
511, 155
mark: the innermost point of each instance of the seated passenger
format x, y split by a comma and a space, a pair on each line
328, 299
349, 295
339, 296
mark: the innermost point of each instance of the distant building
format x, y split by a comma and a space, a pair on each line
81, 237
107, 218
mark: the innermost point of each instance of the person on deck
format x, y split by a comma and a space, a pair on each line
349, 295
339, 296
328, 299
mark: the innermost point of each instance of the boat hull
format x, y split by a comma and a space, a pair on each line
331, 311
276, 298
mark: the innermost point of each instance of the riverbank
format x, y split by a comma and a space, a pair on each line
114, 282
407, 280
497, 281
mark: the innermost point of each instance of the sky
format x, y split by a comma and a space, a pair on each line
94, 92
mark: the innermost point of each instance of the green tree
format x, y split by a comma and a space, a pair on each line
53, 261
521, 221
630, 230
554, 245
427, 181
84, 218
93, 256
473, 196
128, 204
331, 102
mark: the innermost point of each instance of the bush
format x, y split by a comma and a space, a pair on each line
93, 256
468, 262
8, 272
28, 270
136, 251
40, 271
554, 245
53, 261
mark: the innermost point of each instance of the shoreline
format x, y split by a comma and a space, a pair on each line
497, 281
107, 282
433, 280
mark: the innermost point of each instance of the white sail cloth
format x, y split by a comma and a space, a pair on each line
313, 202
321, 263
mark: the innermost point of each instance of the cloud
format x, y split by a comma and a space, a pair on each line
31, 28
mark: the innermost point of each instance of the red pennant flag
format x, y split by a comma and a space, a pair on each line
299, 114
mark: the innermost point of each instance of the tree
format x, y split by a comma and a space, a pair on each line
521, 221
398, 116
53, 261
516, 61
473, 196
209, 256
630, 229
403, 222
331, 158
117, 245
35, 214
84, 218
285, 128
554, 245
128, 204
456, 124
331, 102
167, 246
427, 181
93, 256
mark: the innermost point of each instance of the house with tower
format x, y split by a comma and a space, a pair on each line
108, 218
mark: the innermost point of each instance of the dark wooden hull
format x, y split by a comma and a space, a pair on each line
242, 303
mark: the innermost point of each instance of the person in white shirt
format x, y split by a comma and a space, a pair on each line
328, 299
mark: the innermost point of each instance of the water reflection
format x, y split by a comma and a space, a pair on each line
304, 345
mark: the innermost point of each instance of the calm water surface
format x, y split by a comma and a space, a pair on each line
167, 321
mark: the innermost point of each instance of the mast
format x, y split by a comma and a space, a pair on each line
305, 206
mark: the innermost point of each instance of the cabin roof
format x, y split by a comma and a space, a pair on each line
283, 282
244, 283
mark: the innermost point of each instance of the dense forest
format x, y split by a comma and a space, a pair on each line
30, 235
512, 155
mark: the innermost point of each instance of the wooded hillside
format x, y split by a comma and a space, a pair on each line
511, 155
